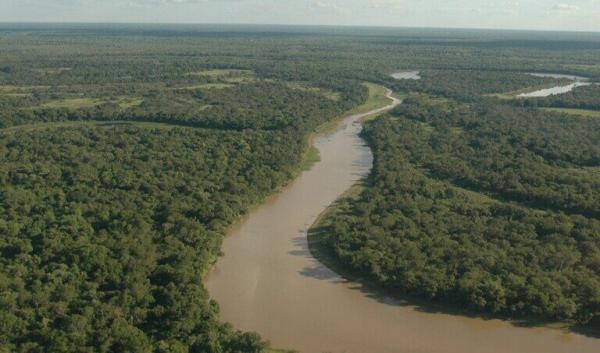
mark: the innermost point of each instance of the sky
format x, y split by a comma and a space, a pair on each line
572, 15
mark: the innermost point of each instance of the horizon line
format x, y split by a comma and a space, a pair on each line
301, 25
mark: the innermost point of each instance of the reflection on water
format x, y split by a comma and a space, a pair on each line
553, 75
553, 90
579, 81
269, 282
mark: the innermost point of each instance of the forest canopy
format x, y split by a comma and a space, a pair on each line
127, 151
487, 207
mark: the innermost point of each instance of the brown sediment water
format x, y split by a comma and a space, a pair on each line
268, 281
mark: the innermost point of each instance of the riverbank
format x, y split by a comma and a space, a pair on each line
322, 252
253, 282
348, 236
378, 97
269, 282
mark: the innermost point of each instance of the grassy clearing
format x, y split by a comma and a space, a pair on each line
79, 103
221, 73
240, 79
20, 89
574, 111
311, 156
206, 86
89, 123
329, 94
503, 96
127, 103
227, 76
72, 103
377, 99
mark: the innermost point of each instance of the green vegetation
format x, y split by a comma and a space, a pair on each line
467, 83
573, 111
334, 96
583, 97
109, 229
311, 157
126, 152
471, 205
77, 103
229, 73
376, 99
117, 188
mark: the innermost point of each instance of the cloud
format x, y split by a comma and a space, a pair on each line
566, 7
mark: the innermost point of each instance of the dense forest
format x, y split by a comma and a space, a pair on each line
127, 151
107, 231
119, 179
490, 207
526, 155
466, 84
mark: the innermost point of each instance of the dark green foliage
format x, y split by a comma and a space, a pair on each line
524, 155
416, 229
107, 231
267, 106
462, 84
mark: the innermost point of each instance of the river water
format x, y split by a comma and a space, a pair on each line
406, 75
578, 82
268, 282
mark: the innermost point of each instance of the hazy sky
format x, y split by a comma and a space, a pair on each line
518, 14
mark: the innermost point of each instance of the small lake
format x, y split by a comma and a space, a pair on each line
406, 75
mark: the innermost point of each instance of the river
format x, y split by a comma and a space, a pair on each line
268, 281
578, 81
406, 75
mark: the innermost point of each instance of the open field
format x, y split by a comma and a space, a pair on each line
573, 111
376, 99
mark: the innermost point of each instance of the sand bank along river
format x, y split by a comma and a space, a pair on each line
268, 281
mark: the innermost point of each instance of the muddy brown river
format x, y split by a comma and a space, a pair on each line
268, 282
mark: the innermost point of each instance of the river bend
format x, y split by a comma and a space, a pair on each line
268, 282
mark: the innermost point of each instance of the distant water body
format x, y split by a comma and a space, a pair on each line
546, 92
406, 75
